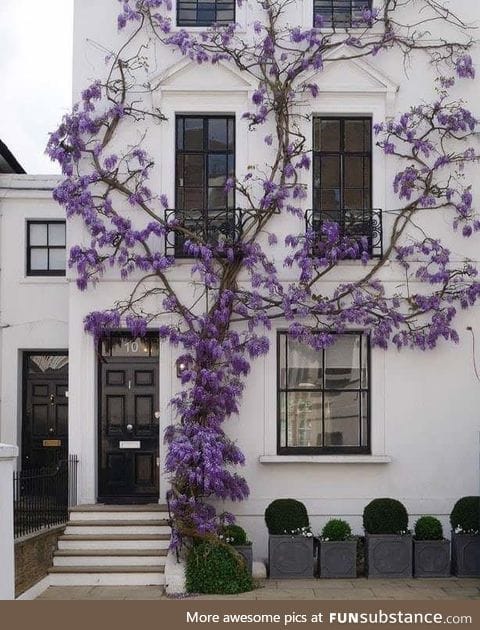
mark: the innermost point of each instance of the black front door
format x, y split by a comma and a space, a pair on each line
45, 409
128, 423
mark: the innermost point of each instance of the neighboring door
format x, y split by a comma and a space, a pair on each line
128, 421
45, 409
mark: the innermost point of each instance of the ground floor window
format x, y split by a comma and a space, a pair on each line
323, 397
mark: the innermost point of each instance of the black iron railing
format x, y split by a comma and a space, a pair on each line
208, 226
340, 13
360, 224
41, 497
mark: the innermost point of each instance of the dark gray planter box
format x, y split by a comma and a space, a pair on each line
388, 556
290, 557
338, 559
247, 552
466, 555
431, 558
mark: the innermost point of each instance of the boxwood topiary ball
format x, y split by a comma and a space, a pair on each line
336, 530
286, 515
465, 515
234, 535
428, 528
385, 516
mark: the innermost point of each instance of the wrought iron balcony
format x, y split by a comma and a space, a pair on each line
209, 226
354, 223
340, 13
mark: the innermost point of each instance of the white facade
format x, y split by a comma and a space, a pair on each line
425, 407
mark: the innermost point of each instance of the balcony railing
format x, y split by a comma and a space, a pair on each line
354, 223
212, 227
340, 13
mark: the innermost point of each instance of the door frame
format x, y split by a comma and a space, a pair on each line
100, 359
26, 354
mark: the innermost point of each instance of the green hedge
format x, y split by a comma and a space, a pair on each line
216, 568
465, 515
336, 530
234, 535
428, 528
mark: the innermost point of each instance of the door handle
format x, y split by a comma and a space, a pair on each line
129, 427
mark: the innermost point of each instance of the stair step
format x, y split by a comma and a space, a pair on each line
109, 542
101, 529
80, 515
108, 569
115, 537
109, 552
101, 507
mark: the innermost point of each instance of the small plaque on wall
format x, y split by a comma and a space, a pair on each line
52, 442
129, 444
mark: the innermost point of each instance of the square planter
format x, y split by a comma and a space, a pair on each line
388, 556
431, 558
466, 555
338, 559
247, 552
290, 557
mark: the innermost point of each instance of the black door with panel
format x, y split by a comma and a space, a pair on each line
128, 429
45, 410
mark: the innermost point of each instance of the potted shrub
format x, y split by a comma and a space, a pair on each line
236, 536
290, 541
465, 522
388, 552
431, 551
338, 551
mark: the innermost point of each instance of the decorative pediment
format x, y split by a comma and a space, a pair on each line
189, 76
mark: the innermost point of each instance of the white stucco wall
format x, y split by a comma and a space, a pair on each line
425, 406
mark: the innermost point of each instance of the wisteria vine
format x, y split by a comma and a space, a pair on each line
237, 286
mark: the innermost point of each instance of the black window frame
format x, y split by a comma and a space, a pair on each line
325, 450
193, 5
206, 152
342, 153
48, 247
320, 7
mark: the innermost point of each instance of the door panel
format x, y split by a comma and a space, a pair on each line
128, 430
45, 410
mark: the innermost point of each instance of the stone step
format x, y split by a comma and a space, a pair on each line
112, 541
119, 512
117, 527
112, 558
106, 576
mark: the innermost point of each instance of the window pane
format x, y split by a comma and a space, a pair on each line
342, 418
282, 361
180, 133
193, 198
304, 411
364, 402
283, 419
330, 171
217, 170
39, 259
193, 134
353, 171
364, 342
217, 134
193, 172
57, 259
56, 234
354, 198
38, 234
354, 135
329, 137
330, 199
231, 129
304, 366
342, 370
217, 198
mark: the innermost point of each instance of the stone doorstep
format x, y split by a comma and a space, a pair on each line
108, 569
74, 537
111, 552
101, 507
160, 523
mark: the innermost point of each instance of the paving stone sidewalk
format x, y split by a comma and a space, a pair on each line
361, 588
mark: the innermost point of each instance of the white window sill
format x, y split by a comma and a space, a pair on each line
325, 459
44, 280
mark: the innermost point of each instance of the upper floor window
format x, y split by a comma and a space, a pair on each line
340, 13
324, 396
46, 248
205, 12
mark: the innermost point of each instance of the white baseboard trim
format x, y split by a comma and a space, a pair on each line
34, 591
